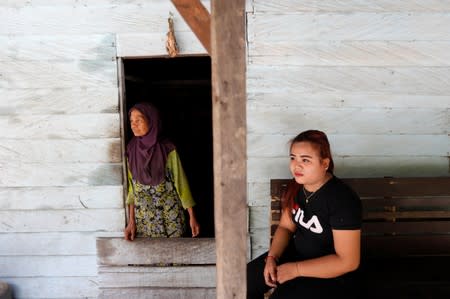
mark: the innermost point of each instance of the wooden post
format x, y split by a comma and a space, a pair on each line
229, 129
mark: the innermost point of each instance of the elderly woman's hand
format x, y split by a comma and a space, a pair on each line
130, 231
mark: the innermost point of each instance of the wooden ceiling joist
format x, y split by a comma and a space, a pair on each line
198, 18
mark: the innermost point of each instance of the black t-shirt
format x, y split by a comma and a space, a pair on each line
334, 206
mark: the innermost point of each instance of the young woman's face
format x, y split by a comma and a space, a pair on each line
306, 165
138, 122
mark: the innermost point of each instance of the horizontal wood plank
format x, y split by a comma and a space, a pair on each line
310, 79
406, 245
47, 266
54, 287
154, 44
58, 47
277, 145
87, 220
350, 53
135, 16
79, 126
160, 293
292, 6
401, 228
71, 74
61, 198
60, 174
117, 251
348, 99
59, 101
273, 27
161, 277
105, 150
47, 244
265, 120
400, 187
262, 169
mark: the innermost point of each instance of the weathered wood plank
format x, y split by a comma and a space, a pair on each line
97, 19
54, 287
356, 145
59, 174
260, 240
160, 293
262, 169
228, 57
76, 73
402, 26
356, 80
257, 194
154, 44
58, 47
78, 126
283, 6
59, 100
47, 243
61, 198
42, 151
87, 220
259, 216
47, 266
347, 100
352, 53
117, 251
352, 121
162, 277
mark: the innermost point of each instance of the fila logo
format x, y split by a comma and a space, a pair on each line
313, 224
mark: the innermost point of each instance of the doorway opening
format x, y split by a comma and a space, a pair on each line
181, 89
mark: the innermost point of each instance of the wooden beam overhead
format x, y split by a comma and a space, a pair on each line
198, 18
229, 131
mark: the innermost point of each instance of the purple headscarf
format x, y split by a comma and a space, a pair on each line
147, 155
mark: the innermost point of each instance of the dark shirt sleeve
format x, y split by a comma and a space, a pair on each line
346, 209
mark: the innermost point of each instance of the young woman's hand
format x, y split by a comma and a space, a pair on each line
286, 272
270, 272
130, 231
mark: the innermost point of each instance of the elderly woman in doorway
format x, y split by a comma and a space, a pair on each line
316, 248
158, 191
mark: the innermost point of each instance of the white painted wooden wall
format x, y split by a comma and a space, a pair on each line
60, 146
373, 74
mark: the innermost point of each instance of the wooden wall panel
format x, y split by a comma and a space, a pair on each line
348, 121
284, 6
59, 126
154, 44
349, 53
77, 73
160, 293
55, 150
58, 47
266, 145
87, 220
48, 243
54, 287
308, 79
61, 197
73, 100
48, 266
398, 26
160, 277
60, 174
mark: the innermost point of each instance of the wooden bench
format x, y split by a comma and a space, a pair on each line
405, 235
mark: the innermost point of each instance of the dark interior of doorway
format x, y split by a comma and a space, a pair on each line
181, 89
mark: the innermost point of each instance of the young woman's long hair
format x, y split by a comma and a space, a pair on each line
319, 140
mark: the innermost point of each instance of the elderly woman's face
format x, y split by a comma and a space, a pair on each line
139, 123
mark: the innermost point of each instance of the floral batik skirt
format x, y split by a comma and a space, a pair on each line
158, 211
